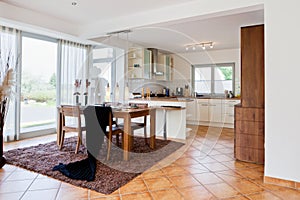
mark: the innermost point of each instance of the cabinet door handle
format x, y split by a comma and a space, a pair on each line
204, 104
212, 105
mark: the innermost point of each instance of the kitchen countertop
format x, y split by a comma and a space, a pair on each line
174, 99
180, 99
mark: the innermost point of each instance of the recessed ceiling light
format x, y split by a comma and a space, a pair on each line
74, 3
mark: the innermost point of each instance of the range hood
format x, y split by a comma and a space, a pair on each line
154, 62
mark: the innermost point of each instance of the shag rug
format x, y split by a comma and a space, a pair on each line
110, 175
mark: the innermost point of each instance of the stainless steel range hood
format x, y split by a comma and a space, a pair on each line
154, 60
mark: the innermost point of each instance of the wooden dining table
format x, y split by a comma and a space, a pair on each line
127, 115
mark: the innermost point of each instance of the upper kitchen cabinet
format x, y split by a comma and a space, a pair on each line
139, 63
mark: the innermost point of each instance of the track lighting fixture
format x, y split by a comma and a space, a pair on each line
203, 45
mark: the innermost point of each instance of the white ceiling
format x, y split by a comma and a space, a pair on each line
171, 36
91, 11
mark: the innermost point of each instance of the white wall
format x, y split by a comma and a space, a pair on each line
282, 107
183, 62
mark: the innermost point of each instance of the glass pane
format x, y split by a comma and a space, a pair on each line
38, 84
102, 53
100, 91
223, 79
203, 80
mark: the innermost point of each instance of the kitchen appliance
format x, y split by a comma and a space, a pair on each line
179, 91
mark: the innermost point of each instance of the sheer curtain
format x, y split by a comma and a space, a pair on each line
74, 72
10, 43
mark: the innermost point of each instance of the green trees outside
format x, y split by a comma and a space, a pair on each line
37, 89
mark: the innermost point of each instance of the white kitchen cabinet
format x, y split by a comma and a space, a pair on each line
229, 111
215, 110
191, 112
212, 112
203, 110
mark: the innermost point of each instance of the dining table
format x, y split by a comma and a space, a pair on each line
127, 114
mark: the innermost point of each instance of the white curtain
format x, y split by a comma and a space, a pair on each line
74, 67
10, 40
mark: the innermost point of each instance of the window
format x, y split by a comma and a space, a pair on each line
213, 79
38, 83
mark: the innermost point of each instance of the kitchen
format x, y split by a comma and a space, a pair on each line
163, 64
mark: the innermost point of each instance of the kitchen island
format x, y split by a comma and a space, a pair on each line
170, 115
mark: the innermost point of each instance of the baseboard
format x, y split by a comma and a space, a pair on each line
282, 182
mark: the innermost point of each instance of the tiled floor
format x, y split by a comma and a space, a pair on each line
194, 175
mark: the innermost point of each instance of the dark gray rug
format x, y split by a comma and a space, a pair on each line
110, 175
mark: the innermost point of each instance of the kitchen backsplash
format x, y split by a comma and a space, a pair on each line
136, 85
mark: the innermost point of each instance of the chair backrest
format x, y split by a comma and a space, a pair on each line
96, 121
70, 111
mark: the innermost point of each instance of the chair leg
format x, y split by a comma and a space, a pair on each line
145, 134
78, 142
117, 138
78, 145
109, 141
62, 140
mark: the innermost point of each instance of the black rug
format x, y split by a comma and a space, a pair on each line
110, 175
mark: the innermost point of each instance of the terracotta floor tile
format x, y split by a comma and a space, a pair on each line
137, 196
152, 174
204, 168
45, 183
185, 161
287, 193
40, 194
222, 190
22, 175
14, 186
158, 183
196, 192
95, 195
215, 167
71, 193
134, 187
208, 178
11, 196
250, 173
228, 178
222, 158
173, 170
235, 164
106, 198
170, 194
267, 186
184, 181
239, 197
245, 186
205, 159
264, 195
195, 169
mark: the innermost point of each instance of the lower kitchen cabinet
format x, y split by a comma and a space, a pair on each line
212, 112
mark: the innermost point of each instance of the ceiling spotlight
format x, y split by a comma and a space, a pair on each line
203, 47
194, 48
187, 48
74, 3
211, 45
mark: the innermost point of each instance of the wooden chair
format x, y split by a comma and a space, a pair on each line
99, 124
69, 111
113, 129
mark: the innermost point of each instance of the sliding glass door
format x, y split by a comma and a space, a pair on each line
38, 84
